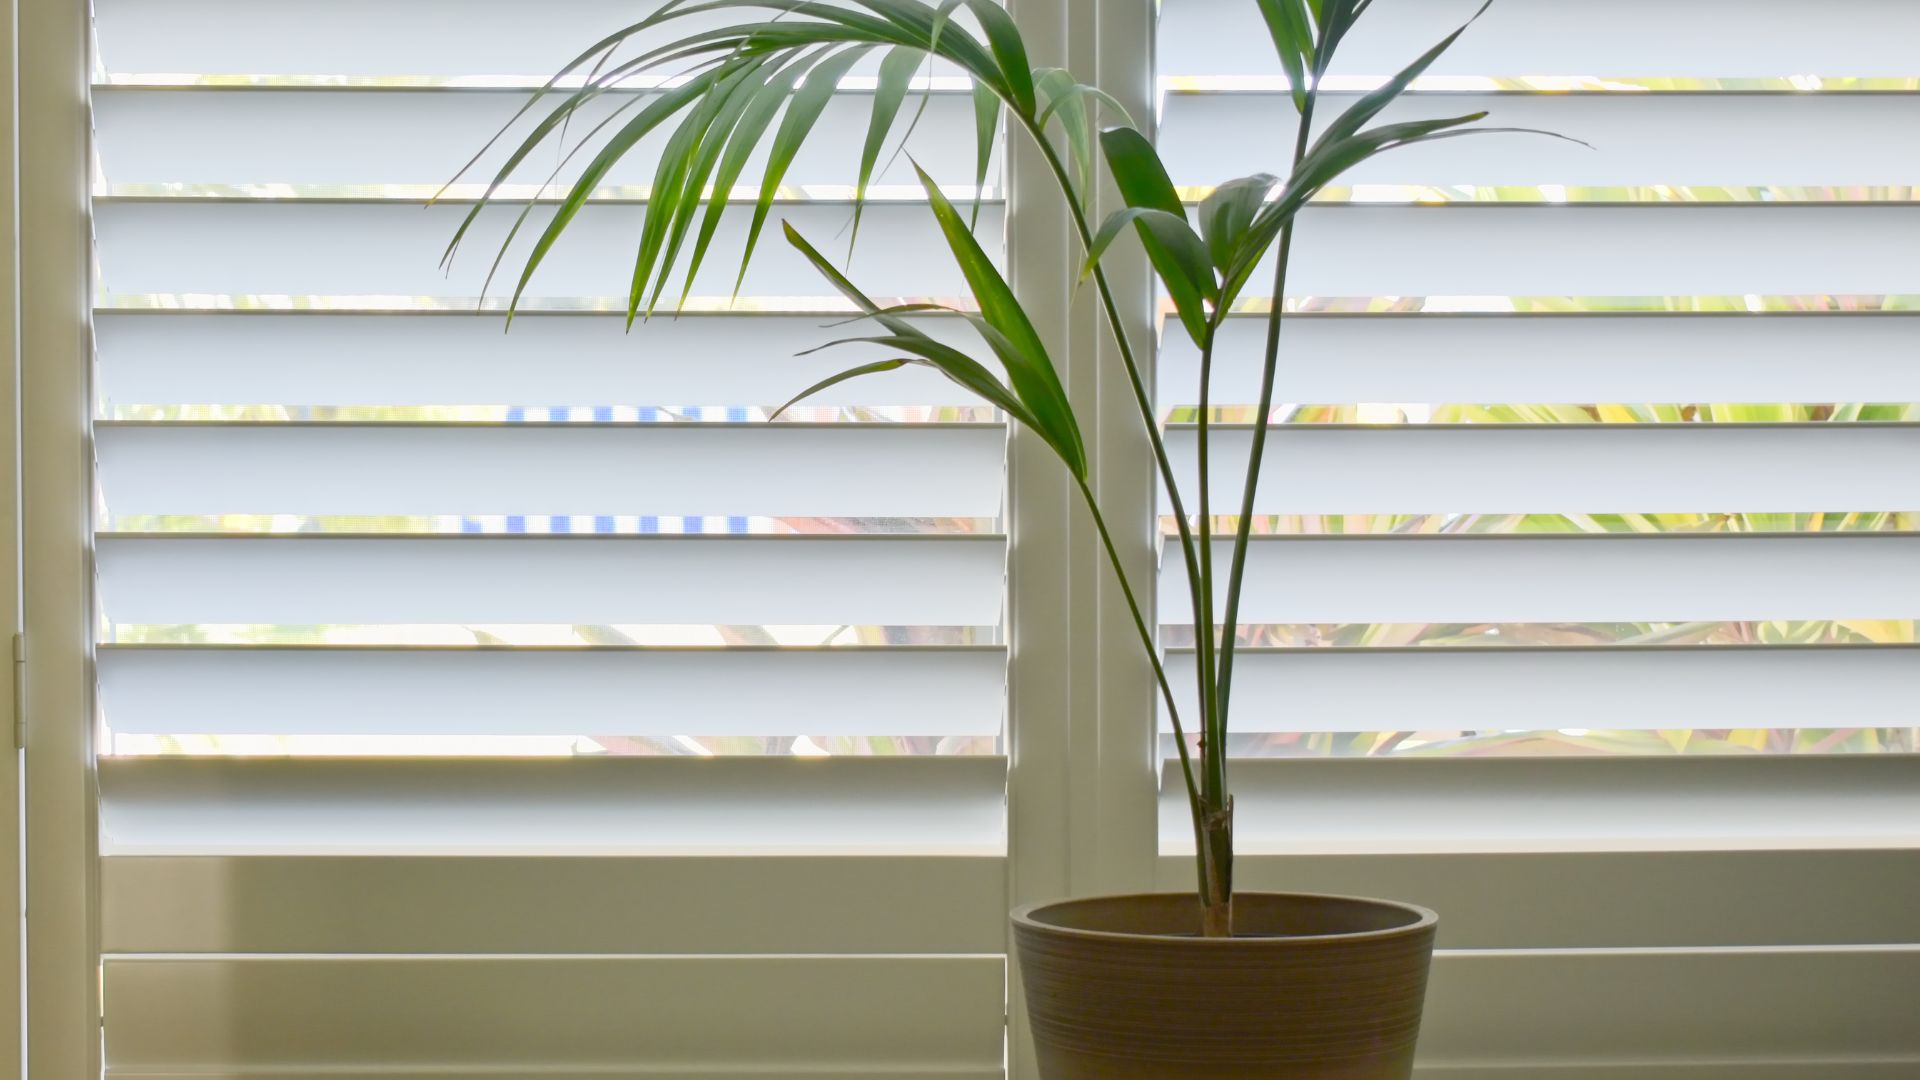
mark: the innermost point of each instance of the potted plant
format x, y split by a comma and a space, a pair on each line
1203, 984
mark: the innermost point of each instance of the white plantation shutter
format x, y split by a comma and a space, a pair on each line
1639, 406
378, 579
525, 704
1582, 594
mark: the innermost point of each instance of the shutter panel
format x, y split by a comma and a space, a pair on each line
1641, 410
353, 539
305, 432
1582, 593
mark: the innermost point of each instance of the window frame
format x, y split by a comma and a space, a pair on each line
1082, 758
56, 481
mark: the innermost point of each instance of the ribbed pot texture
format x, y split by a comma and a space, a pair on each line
1309, 988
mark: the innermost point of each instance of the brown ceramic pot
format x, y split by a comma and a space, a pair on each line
1310, 988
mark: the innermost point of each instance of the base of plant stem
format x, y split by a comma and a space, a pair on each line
1216, 919
1215, 835
1310, 987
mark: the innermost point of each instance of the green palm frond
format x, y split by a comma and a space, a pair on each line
758, 86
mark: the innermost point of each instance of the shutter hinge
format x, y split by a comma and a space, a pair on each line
19, 691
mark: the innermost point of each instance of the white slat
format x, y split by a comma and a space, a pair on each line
1833, 139
1610, 579
1576, 469
1672, 1007
1565, 359
1356, 806
836, 581
554, 806
434, 359
835, 470
423, 37
1476, 689
1614, 899
1529, 1011
594, 1073
1602, 251
344, 137
554, 904
1700, 38
902, 692
394, 251
793, 1016
1849, 1067
949, 904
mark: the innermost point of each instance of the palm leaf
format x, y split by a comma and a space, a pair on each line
656, 113
702, 162
933, 30
1171, 230
716, 46
1029, 369
1009, 51
1054, 88
890, 90
741, 143
728, 103
526, 210
1291, 28
1335, 18
678, 167
805, 109
603, 49
1360, 112
1326, 164
1227, 214
834, 380
986, 122
950, 361
1144, 184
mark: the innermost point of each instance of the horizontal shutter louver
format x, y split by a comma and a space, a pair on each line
1535, 373
307, 440
384, 587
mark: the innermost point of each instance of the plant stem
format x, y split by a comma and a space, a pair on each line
1153, 656
1214, 843
1216, 869
1144, 404
1230, 622
1213, 772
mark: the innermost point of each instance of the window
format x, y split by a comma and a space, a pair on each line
526, 702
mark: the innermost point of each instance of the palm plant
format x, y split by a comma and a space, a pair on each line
723, 88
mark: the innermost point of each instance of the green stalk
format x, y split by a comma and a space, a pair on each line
1213, 736
1213, 828
1211, 810
1144, 404
1153, 656
1269, 364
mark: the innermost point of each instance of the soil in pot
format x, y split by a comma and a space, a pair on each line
1310, 987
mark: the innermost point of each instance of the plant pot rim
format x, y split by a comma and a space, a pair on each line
1421, 919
